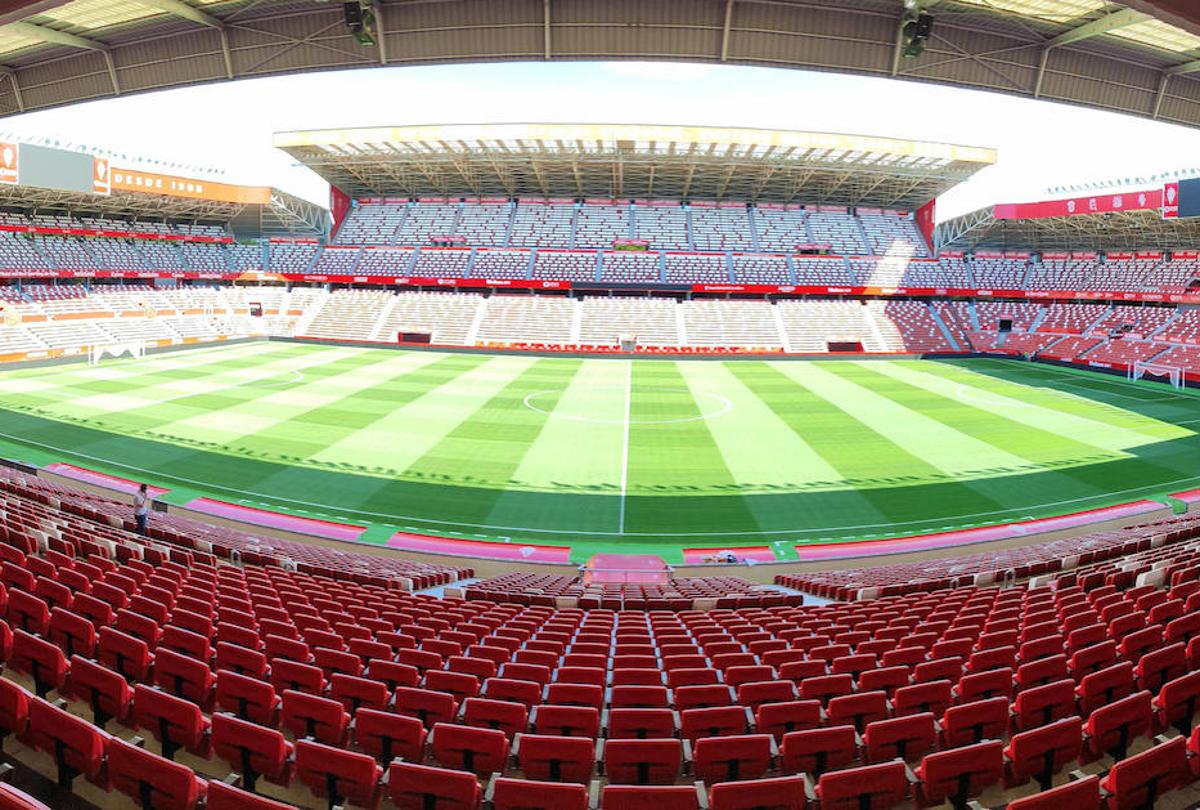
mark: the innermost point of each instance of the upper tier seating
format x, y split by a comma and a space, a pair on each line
386, 261
780, 230
292, 258
1174, 276
839, 230
598, 226
338, 261
371, 224
426, 219
1061, 274
893, 235
485, 223
543, 225
663, 226
999, 274
721, 229
818, 271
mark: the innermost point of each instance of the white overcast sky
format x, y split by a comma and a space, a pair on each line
229, 126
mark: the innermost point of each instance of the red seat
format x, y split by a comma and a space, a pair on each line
248, 698
975, 722
555, 759
74, 634
459, 684
927, 696
175, 722
566, 721
1040, 753
124, 653
354, 692
641, 724
418, 787
152, 780
1083, 794
818, 750
253, 750
1044, 704
652, 797
643, 762
575, 694
39, 659
640, 696
780, 793
428, 706
719, 721
385, 735
241, 660
1111, 728
1177, 701
464, 748
221, 796
859, 709
511, 718
306, 715
105, 691
184, 677
988, 684
14, 709
526, 692
337, 774
960, 773
1140, 780
778, 719
871, 787
27, 612
393, 674
524, 794
722, 759
703, 696
1102, 687
286, 674
13, 799
908, 738
76, 745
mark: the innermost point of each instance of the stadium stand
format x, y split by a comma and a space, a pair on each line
538, 224
599, 225
721, 229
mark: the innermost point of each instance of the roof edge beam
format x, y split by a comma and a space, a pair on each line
1105, 25
178, 8
1185, 68
53, 37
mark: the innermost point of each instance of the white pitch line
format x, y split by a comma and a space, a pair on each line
625, 444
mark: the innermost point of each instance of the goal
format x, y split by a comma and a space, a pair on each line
1157, 371
99, 351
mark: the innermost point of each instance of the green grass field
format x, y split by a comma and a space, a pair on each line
597, 453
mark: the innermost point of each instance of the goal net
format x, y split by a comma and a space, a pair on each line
98, 352
1156, 371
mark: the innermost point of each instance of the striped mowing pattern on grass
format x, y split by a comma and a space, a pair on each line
656, 452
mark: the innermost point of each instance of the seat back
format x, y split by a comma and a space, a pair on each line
908, 738
1039, 753
975, 722
221, 796
1111, 727
511, 718
480, 750
109, 695
960, 773
524, 794
1083, 794
385, 735
77, 746
40, 659
722, 759
150, 779
871, 786
718, 721
421, 786
643, 762
1040, 705
338, 774
428, 706
556, 759
247, 697
651, 797
1142, 779
567, 721
815, 751
780, 793
124, 653
250, 748
183, 676
305, 715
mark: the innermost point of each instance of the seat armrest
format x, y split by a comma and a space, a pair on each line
701, 796
490, 791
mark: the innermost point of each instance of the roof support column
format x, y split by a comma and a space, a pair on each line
112, 73
546, 50
726, 29
1159, 96
225, 53
381, 33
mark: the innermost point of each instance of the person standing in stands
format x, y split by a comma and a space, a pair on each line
141, 508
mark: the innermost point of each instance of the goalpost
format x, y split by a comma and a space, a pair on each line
99, 351
1141, 369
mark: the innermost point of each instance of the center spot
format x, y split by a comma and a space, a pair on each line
606, 404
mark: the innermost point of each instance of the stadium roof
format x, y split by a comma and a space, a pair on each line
630, 161
1139, 56
251, 211
1130, 229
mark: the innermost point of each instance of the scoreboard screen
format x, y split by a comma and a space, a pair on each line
1189, 198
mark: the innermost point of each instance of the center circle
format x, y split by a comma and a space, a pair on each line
611, 399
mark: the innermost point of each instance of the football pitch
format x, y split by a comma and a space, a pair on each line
652, 455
